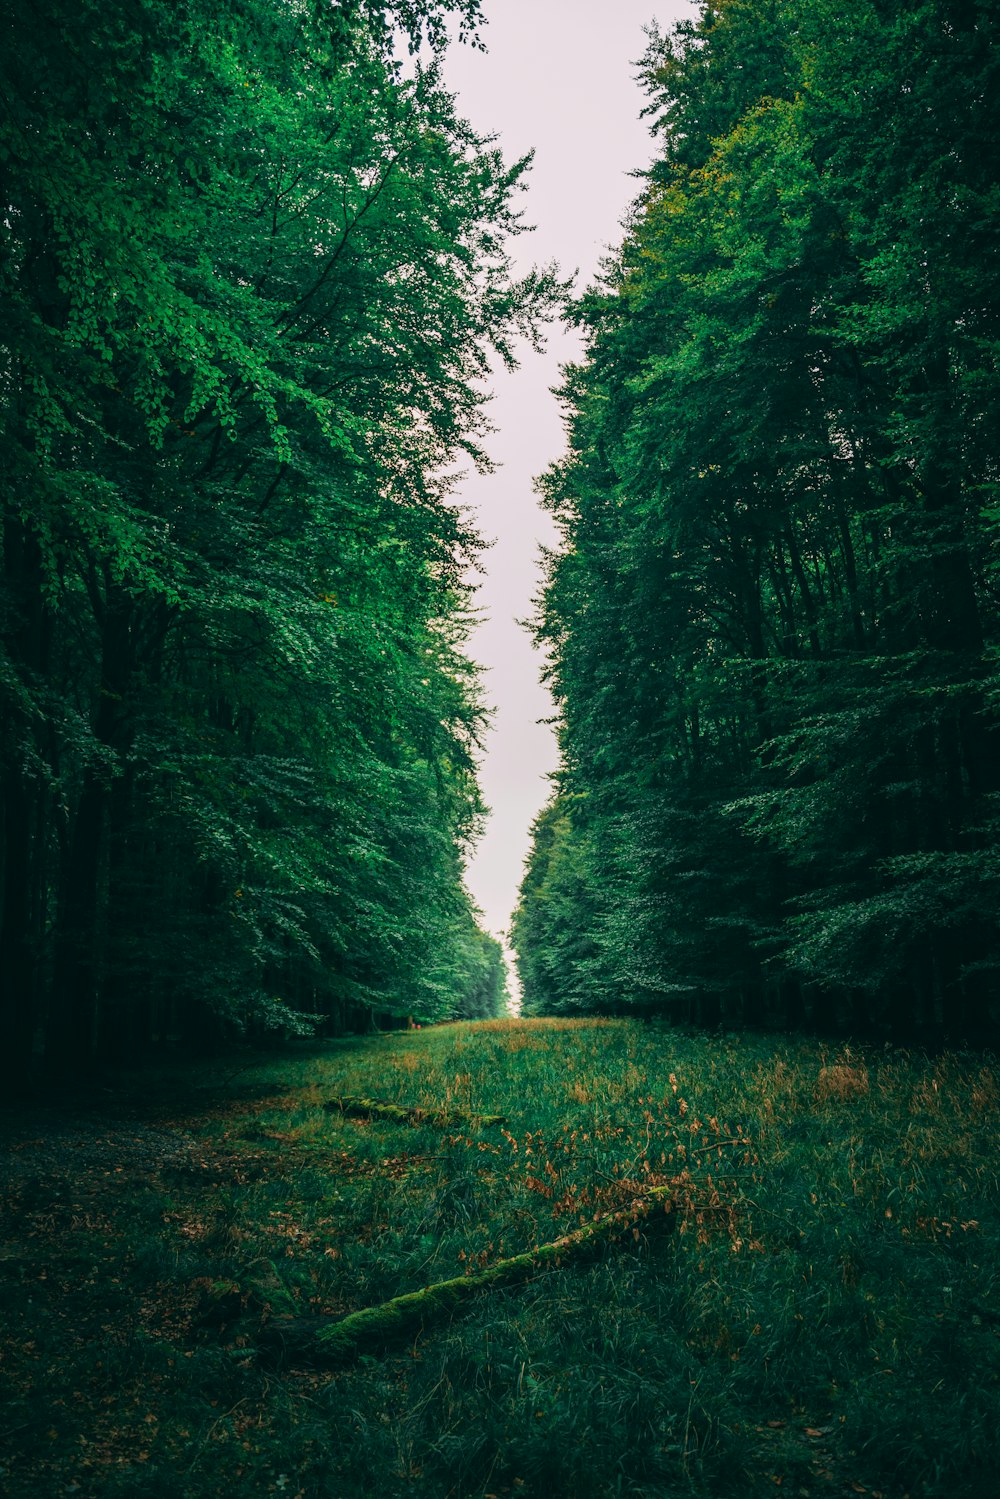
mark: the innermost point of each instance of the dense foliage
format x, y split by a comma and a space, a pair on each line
252, 266
773, 623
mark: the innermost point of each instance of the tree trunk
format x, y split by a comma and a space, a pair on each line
337, 1340
76, 979
18, 962
21, 871
400, 1113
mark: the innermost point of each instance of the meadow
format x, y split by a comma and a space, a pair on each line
818, 1313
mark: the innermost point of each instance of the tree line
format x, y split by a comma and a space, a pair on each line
772, 623
253, 267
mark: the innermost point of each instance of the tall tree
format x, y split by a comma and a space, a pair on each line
251, 272
772, 622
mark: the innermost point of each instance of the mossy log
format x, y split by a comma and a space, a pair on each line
401, 1113
336, 1341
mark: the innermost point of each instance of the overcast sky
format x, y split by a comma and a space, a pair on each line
558, 78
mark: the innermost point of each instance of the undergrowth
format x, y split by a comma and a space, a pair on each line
824, 1321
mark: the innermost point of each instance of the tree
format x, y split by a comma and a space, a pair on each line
249, 282
771, 623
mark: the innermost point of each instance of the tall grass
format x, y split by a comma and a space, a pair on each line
824, 1321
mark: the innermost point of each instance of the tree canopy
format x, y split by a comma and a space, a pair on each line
772, 623
253, 268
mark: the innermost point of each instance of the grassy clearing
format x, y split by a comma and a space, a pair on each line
824, 1321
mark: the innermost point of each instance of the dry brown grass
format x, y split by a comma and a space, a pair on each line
840, 1081
533, 1025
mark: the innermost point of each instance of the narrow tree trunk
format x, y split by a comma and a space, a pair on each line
71, 1031
18, 962
76, 978
21, 856
400, 1113
334, 1341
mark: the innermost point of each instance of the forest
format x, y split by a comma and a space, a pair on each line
718, 1215
253, 270
255, 267
772, 622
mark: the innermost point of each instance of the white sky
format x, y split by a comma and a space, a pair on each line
559, 78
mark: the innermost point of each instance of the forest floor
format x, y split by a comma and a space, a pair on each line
821, 1316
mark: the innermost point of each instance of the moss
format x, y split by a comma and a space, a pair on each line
401, 1113
403, 1315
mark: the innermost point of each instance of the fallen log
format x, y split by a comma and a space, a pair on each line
337, 1340
402, 1113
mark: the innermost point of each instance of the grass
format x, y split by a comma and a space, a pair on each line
824, 1321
